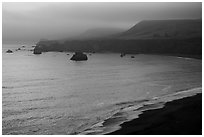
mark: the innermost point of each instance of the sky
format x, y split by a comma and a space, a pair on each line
30, 22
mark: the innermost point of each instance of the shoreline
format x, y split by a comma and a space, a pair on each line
190, 56
178, 117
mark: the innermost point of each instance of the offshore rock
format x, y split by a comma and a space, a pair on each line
79, 56
9, 51
37, 50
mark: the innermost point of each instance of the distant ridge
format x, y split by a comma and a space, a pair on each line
166, 37
98, 33
153, 29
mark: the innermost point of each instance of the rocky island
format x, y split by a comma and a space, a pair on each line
9, 51
79, 56
37, 51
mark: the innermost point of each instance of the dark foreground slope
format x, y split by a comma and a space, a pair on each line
174, 37
179, 117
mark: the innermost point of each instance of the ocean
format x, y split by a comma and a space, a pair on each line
50, 94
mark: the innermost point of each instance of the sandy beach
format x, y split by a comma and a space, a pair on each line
179, 117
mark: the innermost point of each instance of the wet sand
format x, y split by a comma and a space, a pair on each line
179, 117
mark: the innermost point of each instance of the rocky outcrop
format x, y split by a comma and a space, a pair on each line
37, 50
9, 51
79, 56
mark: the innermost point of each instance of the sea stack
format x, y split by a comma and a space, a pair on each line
9, 51
79, 56
37, 51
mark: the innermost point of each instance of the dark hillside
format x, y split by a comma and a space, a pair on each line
172, 37
164, 29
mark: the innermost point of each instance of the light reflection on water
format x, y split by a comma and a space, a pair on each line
49, 94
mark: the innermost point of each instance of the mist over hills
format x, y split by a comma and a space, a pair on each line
149, 29
148, 36
98, 33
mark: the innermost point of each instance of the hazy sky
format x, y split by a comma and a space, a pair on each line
29, 22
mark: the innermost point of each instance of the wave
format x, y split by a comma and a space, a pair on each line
131, 110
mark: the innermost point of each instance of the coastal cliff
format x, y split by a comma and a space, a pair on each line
173, 37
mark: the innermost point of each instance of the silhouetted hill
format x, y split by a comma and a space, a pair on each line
156, 29
172, 37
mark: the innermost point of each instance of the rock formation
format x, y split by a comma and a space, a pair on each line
37, 51
79, 56
9, 51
